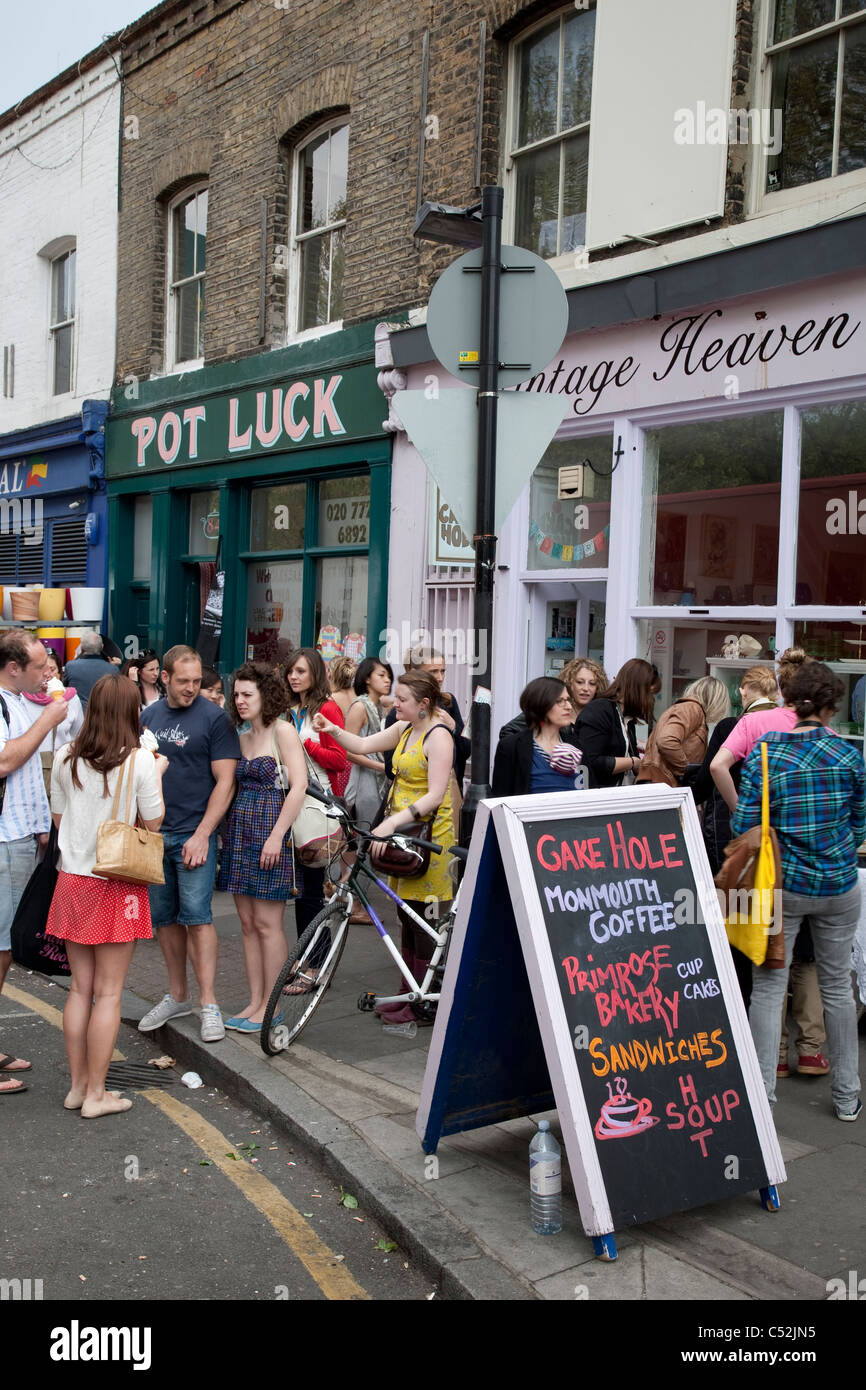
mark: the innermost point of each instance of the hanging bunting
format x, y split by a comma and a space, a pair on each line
583, 550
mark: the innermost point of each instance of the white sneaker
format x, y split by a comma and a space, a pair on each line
168, 1007
212, 1027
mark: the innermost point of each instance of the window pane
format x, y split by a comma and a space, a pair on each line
189, 342
843, 647
852, 7
804, 89
852, 128
184, 240
831, 541
277, 517
576, 159
313, 185
538, 77
63, 288
578, 39
338, 258
573, 533
339, 173
683, 651
711, 512
344, 511
62, 360
142, 545
200, 231
341, 604
204, 522
274, 605
313, 307
537, 201
799, 16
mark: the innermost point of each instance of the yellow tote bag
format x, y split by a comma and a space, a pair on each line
750, 932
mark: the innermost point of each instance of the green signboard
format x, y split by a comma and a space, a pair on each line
329, 407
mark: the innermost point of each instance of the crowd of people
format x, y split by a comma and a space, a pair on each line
224, 780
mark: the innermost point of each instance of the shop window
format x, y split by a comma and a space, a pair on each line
204, 523
187, 221
831, 533
274, 605
843, 647
711, 512
321, 181
683, 651
569, 506
819, 85
62, 326
277, 517
344, 512
142, 546
548, 141
341, 606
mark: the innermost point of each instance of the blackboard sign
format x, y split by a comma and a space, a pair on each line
635, 998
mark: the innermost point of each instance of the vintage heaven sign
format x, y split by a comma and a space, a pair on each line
589, 958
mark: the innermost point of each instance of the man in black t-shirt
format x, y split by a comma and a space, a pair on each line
202, 750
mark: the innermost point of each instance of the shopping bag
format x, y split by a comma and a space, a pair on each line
751, 880
31, 946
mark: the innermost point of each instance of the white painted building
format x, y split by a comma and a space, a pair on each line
58, 245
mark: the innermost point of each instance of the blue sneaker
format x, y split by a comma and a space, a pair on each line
236, 1023
850, 1115
244, 1025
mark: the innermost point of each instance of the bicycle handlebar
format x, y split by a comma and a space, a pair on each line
328, 800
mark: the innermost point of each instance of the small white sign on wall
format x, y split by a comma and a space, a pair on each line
449, 543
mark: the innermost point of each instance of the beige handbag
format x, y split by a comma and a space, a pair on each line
124, 850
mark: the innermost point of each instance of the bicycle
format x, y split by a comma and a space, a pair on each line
314, 962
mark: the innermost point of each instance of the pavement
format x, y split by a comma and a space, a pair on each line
350, 1092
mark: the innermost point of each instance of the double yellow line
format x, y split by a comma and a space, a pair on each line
321, 1264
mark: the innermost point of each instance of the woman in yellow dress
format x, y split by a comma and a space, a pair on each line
423, 749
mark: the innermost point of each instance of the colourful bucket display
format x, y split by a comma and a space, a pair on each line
52, 605
55, 639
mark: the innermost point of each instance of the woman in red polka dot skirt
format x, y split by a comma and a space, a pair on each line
99, 919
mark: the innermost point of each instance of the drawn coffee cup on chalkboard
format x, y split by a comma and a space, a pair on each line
623, 1115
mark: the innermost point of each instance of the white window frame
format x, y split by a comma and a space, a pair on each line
762, 199
513, 151
56, 326
297, 239
173, 364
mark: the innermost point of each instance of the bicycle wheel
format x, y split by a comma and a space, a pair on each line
287, 1015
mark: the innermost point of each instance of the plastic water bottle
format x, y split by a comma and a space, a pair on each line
545, 1182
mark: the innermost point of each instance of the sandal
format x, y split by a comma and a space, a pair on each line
302, 984
7, 1063
11, 1088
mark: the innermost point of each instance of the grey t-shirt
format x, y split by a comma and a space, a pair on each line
191, 739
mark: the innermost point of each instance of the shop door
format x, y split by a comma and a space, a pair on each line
565, 620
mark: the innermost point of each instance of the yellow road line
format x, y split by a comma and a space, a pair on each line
332, 1277
46, 1011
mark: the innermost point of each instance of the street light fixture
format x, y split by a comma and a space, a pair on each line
449, 226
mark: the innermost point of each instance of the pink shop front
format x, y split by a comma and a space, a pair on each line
721, 512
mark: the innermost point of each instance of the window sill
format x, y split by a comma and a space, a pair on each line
309, 335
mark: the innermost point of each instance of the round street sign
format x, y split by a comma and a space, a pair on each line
533, 316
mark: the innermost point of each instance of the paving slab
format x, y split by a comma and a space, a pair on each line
640, 1273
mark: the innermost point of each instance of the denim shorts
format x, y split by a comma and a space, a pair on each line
17, 862
185, 897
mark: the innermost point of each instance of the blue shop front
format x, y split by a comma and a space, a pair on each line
53, 510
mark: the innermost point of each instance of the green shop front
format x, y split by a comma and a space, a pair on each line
265, 482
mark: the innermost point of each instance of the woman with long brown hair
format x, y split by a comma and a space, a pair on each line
605, 727
99, 919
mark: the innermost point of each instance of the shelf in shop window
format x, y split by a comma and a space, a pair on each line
34, 623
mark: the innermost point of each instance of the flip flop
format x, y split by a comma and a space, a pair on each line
302, 984
6, 1063
11, 1088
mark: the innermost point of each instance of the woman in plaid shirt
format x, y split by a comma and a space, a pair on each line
818, 811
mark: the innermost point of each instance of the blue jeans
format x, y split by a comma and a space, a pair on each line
834, 922
17, 862
185, 897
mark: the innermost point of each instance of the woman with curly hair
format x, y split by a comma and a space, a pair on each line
584, 679
257, 864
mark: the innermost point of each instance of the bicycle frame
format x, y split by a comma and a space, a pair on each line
419, 991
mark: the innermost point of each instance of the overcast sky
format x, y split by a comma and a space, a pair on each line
43, 37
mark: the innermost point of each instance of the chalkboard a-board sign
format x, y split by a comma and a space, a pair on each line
589, 959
